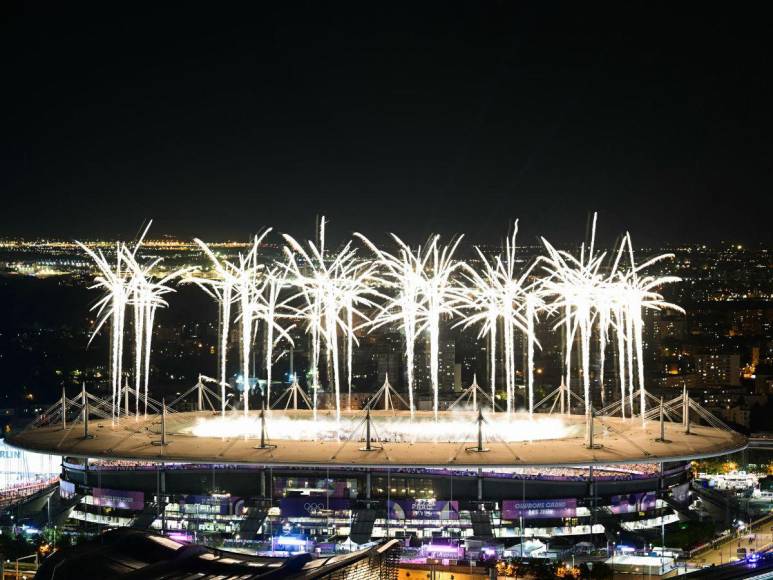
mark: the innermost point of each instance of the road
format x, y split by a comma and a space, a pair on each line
761, 568
727, 551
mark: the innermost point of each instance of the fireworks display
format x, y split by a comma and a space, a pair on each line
129, 283
334, 289
424, 291
595, 299
500, 293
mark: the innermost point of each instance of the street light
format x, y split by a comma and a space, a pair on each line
614, 553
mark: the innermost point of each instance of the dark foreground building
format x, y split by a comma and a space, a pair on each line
137, 555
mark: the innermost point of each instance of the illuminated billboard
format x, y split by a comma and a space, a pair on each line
513, 509
423, 509
633, 502
118, 498
310, 506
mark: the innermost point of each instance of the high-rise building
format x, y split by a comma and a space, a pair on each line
446, 364
718, 369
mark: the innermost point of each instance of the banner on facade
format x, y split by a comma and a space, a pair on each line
118, 498
633, 502
311, 505
423, 509
513, 509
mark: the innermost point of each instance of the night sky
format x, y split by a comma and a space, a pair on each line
409, 117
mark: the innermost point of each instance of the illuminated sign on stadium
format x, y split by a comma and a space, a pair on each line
513, 509
423, 509
633, 502
118, 498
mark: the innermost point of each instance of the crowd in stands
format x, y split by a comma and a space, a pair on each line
12, 493
136, 465
568, 473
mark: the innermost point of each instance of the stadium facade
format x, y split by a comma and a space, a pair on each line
294, 509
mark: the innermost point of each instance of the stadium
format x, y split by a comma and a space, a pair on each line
466, 490
468, 474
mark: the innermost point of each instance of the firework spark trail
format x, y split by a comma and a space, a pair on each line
354, 292
574, 283
146, 296
316, 289
442, 297
314, 319
243, 288
221, 290
639, 296
137, 300
425, 291
241, 283
272, 289
248, 289
482, 303
126, 284
270, 310
511, 304
533, 305
150, 315
610, 314
499, 294
357, 293
332, 289
586, 296
626, 309
331, 307
530, 316
112, 306
403, 273
620, 333
492, 322
604, 314
136, 297
312, 314
349, 347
